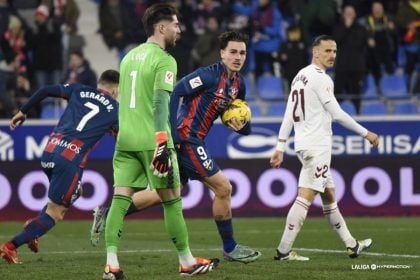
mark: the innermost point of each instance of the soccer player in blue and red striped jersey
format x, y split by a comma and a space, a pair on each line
89, 115
206, 93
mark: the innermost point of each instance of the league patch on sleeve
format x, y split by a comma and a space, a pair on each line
169, 77
195, 82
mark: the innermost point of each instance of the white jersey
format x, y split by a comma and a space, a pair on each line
307, 111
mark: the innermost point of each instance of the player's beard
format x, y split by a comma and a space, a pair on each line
171, 42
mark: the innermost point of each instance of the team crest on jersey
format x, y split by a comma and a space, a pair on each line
208, 164
233, 92
169, 77
195, 82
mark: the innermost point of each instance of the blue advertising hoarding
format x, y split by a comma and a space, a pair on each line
399, 136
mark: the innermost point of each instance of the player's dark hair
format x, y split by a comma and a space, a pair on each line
321, 38
234, 36
109, 77
156, 13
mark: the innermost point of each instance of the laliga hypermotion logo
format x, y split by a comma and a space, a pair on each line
6, 147
259, 144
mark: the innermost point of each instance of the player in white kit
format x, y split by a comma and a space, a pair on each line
311, 107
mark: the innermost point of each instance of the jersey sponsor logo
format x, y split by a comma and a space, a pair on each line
169, 77
48, 164
195, 82
68, 145
260, 144
6, 147
208, 164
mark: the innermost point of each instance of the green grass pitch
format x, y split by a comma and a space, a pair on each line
146, 252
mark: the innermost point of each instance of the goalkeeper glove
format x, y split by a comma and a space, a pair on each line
161, 160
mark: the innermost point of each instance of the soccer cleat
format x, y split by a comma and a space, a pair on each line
10, 255
202, 266
291, 256
98, 226
33, 245
112, 273
361, 246
242, 254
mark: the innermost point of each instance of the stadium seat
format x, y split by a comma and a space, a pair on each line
393, 86
276, 109
51, 111
270, 88
373, 108
255, 110
406, 108
348, 107
250, 94
369, 89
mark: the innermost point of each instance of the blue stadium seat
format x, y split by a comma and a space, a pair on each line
369, 88
406, 108
270, 88
255, 110
393, 86
373, 108
51, 111
276, 109
250, 95
348, 107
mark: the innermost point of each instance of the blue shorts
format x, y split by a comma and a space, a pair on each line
64, 177
195, 162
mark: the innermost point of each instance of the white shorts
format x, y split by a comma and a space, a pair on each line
315, 173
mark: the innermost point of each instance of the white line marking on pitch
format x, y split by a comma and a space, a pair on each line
218, 249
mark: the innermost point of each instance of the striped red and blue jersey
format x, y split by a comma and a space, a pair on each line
206, 93
89, 115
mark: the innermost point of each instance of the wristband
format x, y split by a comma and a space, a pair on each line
281, 145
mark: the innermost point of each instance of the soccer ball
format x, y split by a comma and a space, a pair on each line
237, 109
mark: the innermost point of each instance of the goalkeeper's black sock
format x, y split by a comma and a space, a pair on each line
36, 228
132, 209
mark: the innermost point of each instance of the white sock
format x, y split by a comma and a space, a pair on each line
336, 220
295, 218
112, 260
187, 260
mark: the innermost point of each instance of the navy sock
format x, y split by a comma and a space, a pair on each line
37, 228
226, 233
43, 210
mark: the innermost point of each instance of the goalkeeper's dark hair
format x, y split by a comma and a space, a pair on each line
234, 36
156, 13
320, 38
109, 77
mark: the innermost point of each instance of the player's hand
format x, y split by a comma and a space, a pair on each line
17, 119
161, 160
373, 138
276, 159
235, 124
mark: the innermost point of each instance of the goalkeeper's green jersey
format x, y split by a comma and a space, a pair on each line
143, 70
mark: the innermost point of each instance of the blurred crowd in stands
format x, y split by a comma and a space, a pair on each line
377, 61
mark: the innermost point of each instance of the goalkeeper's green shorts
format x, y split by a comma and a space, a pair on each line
132, 169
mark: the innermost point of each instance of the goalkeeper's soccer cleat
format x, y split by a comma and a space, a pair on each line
361, 246
291, 256
112, 273
33, 245
202, 266
242, 254
9, 253
98, 225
